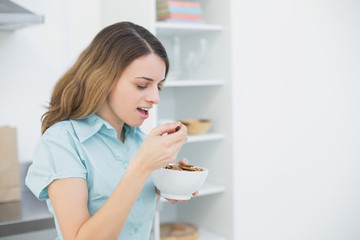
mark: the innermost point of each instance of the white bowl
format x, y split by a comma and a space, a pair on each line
178, 185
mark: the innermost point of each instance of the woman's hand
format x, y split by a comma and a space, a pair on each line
161, 146
183, 161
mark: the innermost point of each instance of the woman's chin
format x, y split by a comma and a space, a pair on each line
135, 123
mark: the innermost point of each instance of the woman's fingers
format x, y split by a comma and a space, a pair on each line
195, 193
183, 201
166, 128
172, 201
183, 161
179, 136
176, 132
160, 149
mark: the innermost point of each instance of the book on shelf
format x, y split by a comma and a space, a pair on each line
172, 11
165, 3
176, 9
180, 16
185, 21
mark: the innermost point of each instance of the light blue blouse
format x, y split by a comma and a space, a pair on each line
89, 149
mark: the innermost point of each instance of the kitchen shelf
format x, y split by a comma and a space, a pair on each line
193, 83
207, 235
207, 189
28, 214
211, 188
171, 29
204, 234
201, 74
205, 137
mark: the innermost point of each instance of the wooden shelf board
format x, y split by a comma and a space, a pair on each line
207, 189
205, 137
204, 234
210, 188
170, 29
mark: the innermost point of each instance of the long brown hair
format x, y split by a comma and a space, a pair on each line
85, 86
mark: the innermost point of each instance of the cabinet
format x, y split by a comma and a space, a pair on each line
198, 86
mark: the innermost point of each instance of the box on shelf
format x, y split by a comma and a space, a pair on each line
178, 231
179, 11
9, 166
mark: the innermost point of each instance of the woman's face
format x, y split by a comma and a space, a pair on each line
135, 93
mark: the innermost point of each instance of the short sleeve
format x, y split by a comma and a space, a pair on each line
56, 156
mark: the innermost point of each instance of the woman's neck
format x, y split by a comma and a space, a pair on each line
121, 135
105, 113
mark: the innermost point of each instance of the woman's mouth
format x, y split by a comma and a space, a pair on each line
144, 112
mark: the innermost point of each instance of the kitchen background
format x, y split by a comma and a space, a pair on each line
287, 104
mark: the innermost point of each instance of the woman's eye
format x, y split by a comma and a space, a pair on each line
141, 86
161, 86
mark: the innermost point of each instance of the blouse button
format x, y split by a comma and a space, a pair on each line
135, 230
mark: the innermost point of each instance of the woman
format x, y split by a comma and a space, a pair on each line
92, 163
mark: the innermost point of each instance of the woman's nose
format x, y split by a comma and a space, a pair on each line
153, 96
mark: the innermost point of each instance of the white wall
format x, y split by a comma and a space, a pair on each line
297, 114
32, 59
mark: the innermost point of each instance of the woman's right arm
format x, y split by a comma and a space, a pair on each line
69, 197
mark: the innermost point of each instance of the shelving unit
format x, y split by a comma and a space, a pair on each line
202, 91
202, 87
171, 29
